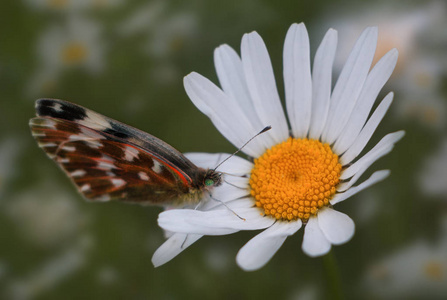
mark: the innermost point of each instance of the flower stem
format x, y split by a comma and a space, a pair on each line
335, 290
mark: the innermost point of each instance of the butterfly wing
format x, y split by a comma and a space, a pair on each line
108, 160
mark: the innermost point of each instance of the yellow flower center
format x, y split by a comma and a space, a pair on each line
292, 180
74, 53
433, 270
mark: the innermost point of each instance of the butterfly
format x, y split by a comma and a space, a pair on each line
108, 160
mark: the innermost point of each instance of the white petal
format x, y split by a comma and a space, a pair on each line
297, 79
349, 84
262, 86
231, 77
322, 83
383, 147
346, 185
244, 202
215, 222
225, 193
172, 247
337, 227
374, 83
260, 249
314, 241
241, 203
365, 134
228, 192
375, 177
241, 182
360, 167
228, 119
235, 165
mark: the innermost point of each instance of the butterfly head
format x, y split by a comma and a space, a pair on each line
212, 178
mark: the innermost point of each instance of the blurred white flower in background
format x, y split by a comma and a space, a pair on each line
418, 34
51, 273
371, 207
433, 177
143, 19
52, 221
75, 44
422, 98
417, 271
9, 150
78, 43
218, 258
108, 275
43, 82
172, 34
305, 293
165, 32
68, 6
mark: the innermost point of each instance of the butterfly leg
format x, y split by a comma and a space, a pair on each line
224, 204
198, 205
184, 241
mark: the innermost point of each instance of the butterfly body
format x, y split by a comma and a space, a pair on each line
109, 160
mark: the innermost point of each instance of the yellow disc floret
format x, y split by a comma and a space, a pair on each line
74, 53
292, 180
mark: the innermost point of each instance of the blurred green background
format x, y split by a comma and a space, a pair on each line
126, 60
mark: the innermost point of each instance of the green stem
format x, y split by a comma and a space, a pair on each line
335, 290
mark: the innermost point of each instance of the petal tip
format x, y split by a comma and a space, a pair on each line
382, 174
394, 51
188, 76
400, 135
251, 35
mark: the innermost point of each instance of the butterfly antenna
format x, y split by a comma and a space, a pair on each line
267, 128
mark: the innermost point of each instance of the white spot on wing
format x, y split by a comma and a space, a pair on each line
143, 176
130, 153
44, 123
57, 107
63, 160
69, 148
157, 167
43, 145
91, 133
105, 165
118, 182
86, 187
76, 137
94, 144
78, 173
95, 121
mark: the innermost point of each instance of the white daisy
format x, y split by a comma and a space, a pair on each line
166, 32
417, 271
51, 273
299, 172
78, 44
10, 149
432, 177
59, 220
